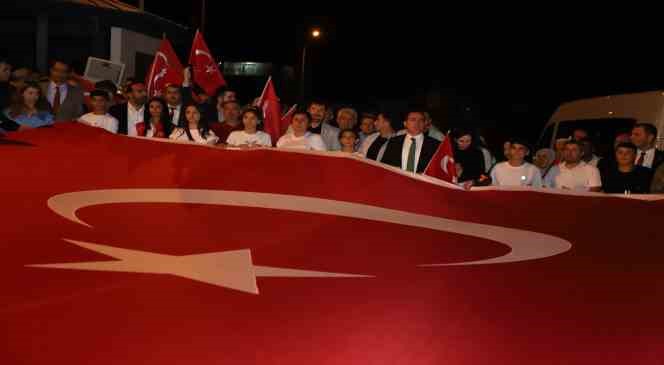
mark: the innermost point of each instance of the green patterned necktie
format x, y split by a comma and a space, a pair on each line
410, 166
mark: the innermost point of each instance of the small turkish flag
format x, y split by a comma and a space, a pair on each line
269, 102
165, 69
442, 165
205, 71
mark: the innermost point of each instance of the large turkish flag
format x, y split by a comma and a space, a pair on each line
119, 250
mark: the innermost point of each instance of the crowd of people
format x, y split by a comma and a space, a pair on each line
407, 141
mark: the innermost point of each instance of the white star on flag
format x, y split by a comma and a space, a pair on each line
228, 269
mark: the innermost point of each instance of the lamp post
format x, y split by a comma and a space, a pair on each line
313, 34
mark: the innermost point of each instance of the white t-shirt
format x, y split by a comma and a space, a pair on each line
239, 138
504, 174
105, 121
581, 177
310, 141
179, 134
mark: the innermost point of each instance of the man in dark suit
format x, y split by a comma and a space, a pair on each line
131, 112
63, 100
643, 137
178, 97
411, 151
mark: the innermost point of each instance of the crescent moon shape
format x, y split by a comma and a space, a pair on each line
199, 52
525, 245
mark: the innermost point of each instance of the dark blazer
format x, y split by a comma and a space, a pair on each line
120, 112
71, 108
394, 149
658, 160
186, 100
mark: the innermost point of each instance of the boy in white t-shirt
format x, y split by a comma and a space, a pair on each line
516, 171
99, 117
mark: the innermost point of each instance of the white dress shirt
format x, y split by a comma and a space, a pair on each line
648, 159
179, 134
504, 174
105, 121
310, 141
239, 138
419, 141
176, 113
51, 92
134, 116
581, 177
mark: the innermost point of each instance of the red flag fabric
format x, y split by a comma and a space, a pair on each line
272, 119
442, 165
134, 251
165, 69
206, 72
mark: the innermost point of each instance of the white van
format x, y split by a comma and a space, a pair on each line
604, 117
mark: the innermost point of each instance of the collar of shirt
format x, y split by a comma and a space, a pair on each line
133, 109
52, 85
579, 165
418, 138
317, 130
648, 152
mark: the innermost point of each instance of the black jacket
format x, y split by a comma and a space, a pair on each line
394, 149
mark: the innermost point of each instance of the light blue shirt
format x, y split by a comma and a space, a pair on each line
51, 92
36, 120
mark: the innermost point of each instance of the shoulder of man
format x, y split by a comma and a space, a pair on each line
431, 140
330, 127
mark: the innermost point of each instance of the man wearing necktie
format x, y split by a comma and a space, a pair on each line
65, 101
411, 151
643, 137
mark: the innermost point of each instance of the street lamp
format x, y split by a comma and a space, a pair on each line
315, 34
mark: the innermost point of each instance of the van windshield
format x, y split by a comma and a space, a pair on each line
602, 132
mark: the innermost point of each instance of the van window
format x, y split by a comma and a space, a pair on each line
602, 132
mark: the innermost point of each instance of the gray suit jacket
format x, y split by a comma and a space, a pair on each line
330, 135
70, 109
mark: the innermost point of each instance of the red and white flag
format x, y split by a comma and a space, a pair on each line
159, 255
206, 72
442, 164
269, 102
165, 69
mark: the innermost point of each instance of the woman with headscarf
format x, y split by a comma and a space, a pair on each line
544, 159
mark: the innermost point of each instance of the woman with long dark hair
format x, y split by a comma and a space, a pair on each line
195, 129
156, 121
468, 154
25, 111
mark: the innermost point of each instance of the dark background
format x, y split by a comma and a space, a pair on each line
505, 77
